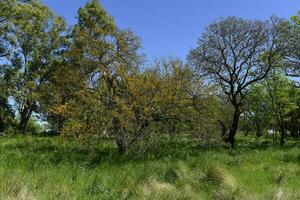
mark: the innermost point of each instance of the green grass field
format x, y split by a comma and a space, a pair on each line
54, 168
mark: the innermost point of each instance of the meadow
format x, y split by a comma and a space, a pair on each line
56, 168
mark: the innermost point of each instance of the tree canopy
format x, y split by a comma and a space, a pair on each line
89, 80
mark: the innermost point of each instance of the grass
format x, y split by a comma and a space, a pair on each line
54, 168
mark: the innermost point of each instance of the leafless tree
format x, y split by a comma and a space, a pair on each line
236, 53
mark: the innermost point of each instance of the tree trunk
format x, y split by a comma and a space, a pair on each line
280, 121
293, 131
282, 137
24, 118
60, 123
121, 144
258, 131
234, 126
61, 118
120, 136
294, 127
2, 125
224, 131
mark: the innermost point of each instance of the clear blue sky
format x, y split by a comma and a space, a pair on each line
172, 27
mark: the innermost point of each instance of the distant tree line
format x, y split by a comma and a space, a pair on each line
90, 80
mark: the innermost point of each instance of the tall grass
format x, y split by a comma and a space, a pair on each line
54, 168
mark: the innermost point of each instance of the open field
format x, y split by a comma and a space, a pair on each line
54, 168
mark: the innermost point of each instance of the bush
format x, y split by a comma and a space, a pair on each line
34, 127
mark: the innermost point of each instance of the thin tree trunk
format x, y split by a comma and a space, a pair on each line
293, 127
224, 129
282, 137
61, 118
60, 123
258, 131
120, 136
281, 129
121, 144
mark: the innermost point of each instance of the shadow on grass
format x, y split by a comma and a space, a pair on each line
55, 151
266, 143
290, 158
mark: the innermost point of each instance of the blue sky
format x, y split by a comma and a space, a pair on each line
172, 27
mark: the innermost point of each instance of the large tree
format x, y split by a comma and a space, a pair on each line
6, 8
236, 53
34, 39
98, 56
6, 74
292, 37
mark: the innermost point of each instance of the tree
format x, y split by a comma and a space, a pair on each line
273, 103
237, 53
6, 114
6, 8
60, 88
292, 66
281, 101
34, 40
6, 111
99, 56
152, 102
293, 124
255, 107
292, 58
143, 104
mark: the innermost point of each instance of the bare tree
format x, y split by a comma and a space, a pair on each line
236, 53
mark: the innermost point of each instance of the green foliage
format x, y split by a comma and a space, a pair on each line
32, 39
272, 104
92, 82
292, 60
102, 55
145, 132
280, 95
34, 127
109, 95
236, 53
6, 114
